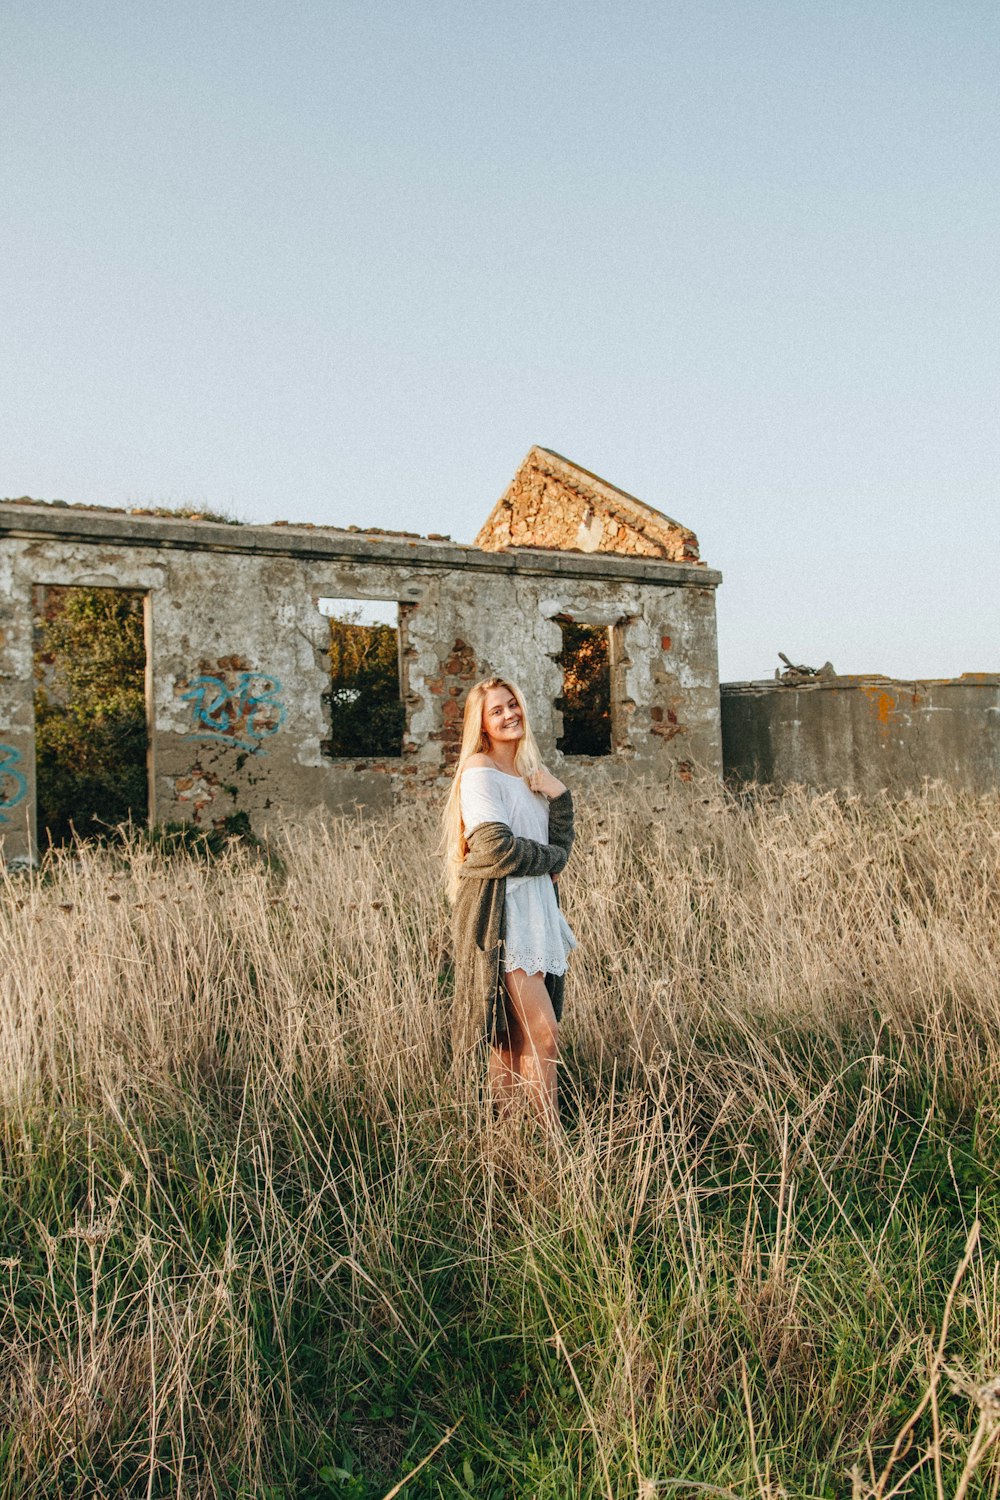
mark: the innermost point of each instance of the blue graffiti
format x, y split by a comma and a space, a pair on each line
236, 715
9, 759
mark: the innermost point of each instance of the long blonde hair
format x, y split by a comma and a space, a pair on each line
475, 739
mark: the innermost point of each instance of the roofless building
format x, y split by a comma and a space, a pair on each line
294, 667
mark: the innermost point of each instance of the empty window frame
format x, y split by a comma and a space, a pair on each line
365, 696
587, 659
91, 716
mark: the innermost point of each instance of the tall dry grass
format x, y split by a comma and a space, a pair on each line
258, 1237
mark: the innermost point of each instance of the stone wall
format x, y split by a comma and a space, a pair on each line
864, 734
237, 666
552, 502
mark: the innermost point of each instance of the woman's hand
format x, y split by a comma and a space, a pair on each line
543, 781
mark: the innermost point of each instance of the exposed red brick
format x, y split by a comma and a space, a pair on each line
461, 670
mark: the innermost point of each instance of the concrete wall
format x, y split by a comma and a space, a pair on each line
863, 734
237, 665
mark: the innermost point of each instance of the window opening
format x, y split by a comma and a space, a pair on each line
585, 702
365, 698
91, 723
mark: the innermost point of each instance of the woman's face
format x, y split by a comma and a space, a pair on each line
502, 718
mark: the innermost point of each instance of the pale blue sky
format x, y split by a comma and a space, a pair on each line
346, 262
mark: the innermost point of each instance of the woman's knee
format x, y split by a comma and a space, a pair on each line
545, 1037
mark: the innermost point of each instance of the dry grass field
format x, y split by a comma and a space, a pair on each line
258, 1238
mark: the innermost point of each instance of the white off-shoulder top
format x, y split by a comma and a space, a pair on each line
538, 938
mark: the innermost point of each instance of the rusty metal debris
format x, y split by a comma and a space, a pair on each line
793, 674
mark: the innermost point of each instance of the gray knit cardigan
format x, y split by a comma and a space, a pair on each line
478, 921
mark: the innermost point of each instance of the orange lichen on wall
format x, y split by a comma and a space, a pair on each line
883, 703
552, 502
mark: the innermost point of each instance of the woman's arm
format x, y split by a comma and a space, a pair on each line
495, 853
561, 822
560, 806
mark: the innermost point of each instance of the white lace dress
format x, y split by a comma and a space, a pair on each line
538, 937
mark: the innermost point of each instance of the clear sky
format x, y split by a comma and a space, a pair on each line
346, 261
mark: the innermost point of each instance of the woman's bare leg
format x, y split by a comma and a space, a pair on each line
504, 1067
535, 1063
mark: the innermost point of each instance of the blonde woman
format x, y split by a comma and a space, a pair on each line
508, 834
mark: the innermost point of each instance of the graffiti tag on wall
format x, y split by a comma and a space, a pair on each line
13, 783
242, 714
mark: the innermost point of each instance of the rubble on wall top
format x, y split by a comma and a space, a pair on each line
858, 680
794, 675
164, 512
182, 513
797, 676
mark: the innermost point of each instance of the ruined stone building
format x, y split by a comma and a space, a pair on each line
241, 715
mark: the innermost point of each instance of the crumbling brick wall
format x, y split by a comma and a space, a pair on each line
552, 502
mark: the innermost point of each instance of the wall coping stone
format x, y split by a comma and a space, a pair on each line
859, 681
37, 522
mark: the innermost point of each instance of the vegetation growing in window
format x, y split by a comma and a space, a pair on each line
90, 711
586, 696
366, 710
